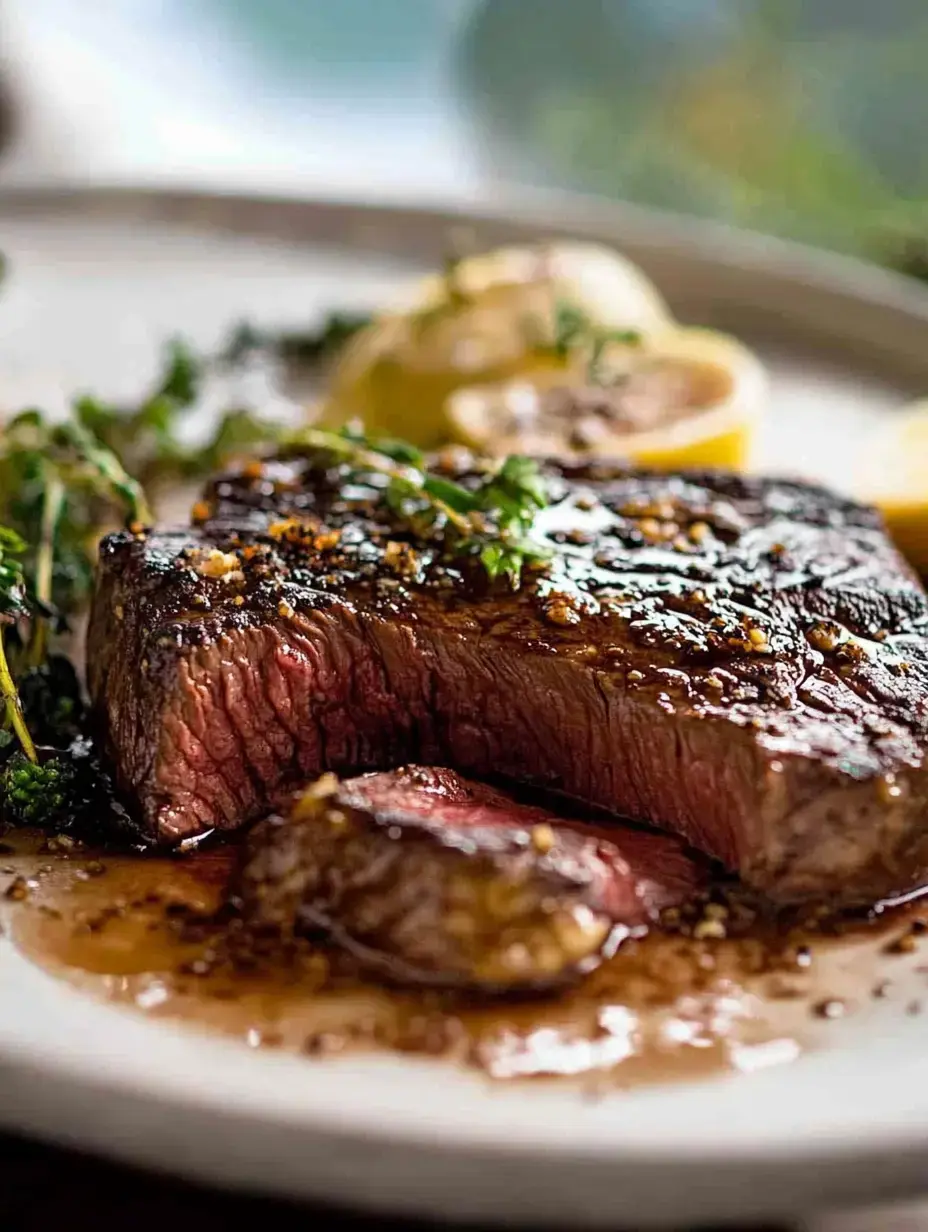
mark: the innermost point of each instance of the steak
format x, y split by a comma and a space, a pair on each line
741, 661
432, 879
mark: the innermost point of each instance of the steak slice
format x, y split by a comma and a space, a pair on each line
433, 879
742, 661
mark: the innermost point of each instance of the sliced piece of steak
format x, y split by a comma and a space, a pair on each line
431, 878
742, 661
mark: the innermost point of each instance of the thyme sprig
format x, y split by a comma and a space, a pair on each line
14, 605
58, 486
83, 462
297, 346
576, 331
491, 522
146, 438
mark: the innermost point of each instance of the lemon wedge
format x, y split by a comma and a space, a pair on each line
489, 318
612, 290
893, 475
681, 398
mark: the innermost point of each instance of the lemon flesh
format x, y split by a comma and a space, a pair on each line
893, 475
490, 319
683, 398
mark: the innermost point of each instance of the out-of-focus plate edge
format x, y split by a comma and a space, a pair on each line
790, 289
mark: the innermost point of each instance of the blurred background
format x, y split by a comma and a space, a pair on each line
803, 118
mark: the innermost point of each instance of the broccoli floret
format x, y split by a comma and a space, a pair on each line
39, 793
68, 791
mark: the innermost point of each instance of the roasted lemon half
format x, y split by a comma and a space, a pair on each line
680, 397
893, 475
487, 319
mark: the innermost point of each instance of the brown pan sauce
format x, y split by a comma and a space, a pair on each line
151, 933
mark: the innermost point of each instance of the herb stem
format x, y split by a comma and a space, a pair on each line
52, 506
111, 470
365, 458
14, 710
491, 521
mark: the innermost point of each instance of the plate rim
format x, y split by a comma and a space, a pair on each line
558, 213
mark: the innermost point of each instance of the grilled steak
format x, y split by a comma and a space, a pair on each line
433, 879
741, 661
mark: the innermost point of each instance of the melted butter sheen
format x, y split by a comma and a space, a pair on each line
143, 932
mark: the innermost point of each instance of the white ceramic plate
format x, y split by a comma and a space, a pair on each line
97, 280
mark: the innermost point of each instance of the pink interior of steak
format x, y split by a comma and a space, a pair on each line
440, 797
634, 873
666, 872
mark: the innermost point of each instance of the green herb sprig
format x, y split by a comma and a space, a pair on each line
146, 438
14, 606
575, 331
491, 522
58, 482
298, 346
58, 486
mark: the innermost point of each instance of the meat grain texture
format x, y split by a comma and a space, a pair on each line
429, 878
741, 661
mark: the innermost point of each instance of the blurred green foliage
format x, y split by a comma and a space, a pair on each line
798, 117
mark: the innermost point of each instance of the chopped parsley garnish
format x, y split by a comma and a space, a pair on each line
491, 522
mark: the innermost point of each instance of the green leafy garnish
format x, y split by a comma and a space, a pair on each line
238, 433
512, 496
575, 331
571, 327
58, 485
14, 605
85, 462
13, 601
298, 346
182, 376
491, 522
57, 481
145, 438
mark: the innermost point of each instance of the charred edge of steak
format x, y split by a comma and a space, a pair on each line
430, 879
741, 661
